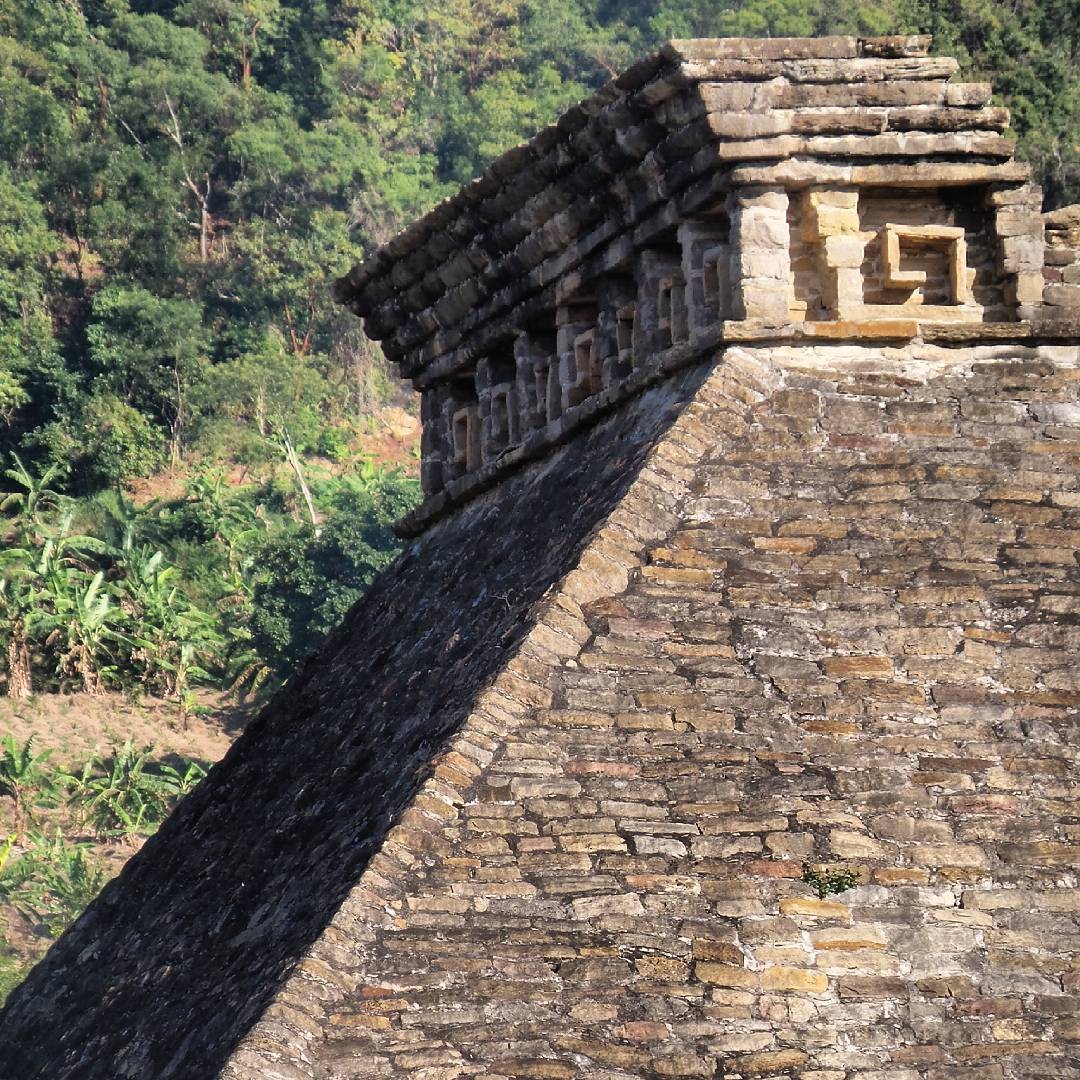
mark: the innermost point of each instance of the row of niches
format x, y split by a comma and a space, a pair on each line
592, 342
775, 257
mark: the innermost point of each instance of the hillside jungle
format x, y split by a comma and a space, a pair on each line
200, 456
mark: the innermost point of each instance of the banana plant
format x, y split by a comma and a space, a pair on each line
235, 524
120, 796
24, 779
78, 621
35, 499
16, 602
123, 524
33, 503
172, 635
52, 882
74, 615
183, 782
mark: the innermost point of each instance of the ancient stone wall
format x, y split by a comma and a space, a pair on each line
833, 626
725, 190
1063, 259
180, 956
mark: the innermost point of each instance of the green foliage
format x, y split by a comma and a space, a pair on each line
184, 780
124, 795
25, 780
13, 970
49, 878
317, 576
113, 440
52, 883
826, 882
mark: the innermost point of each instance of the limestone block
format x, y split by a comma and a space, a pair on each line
769, 301
533, 354
893, 236
749, 125
968, 94
660, 302
757, 263
760, 255
465, 429
763, 228
833, 220
845, 251
1067, 296
1020, 253
1025, 288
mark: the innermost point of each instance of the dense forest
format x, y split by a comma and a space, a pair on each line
188, 497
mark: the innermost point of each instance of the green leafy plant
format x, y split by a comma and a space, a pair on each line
12, 972
172, 635
827, 882
25, 781
185, 779
5, 851
120, 796
52, 883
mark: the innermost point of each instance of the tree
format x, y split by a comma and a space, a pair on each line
312, 579
28, 347
149, 354
34, 504
239, 31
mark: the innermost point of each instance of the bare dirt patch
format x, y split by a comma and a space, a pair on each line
75, 726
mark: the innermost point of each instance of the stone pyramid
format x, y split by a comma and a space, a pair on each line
720, 718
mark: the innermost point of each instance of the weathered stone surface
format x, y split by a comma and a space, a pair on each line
381, 707
753, 191
629, 858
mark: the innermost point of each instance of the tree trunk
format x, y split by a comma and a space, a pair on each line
20, 684
206, 228
294, 463
87, 671
19, 817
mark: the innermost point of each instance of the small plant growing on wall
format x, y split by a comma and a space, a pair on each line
827, 882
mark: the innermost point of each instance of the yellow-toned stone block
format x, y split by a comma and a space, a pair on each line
788, 978
816, 909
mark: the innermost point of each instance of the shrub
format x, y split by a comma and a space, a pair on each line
53, 882
826, 882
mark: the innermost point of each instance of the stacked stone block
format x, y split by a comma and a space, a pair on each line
1062, 271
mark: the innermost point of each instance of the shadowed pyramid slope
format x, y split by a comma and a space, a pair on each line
169, 968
